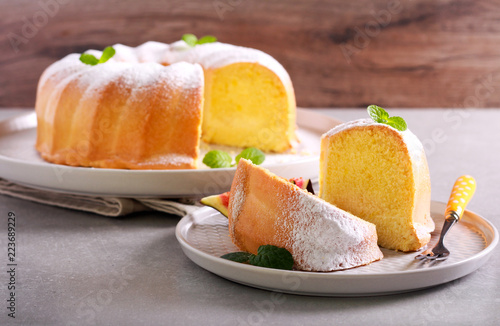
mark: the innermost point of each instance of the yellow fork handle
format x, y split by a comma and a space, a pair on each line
462, 193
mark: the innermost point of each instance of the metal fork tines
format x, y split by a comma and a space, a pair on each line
439, 252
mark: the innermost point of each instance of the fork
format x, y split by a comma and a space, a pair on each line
461, 194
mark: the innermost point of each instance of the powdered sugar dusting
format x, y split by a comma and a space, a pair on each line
151, 52
320, 236
216, 55
141, 66
324, 236
172, 159
414, 145
238, 195
92, 79
211, 55
66, 66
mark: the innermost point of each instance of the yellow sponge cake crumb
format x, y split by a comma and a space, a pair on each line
381, 175
248, 105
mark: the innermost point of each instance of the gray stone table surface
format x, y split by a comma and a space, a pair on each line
77, 268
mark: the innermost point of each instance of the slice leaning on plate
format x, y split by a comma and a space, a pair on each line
264, 209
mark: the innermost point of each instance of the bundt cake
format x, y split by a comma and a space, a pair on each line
120, 115
144, 108
265, 209
381, 175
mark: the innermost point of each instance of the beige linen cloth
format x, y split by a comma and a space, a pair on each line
108, 206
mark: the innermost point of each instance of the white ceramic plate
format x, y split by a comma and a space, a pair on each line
19, 162
204, 237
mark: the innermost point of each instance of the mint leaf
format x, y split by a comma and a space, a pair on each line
272, 257
107, 54
207, 39
190, 39
378, 114
88, 59
397, 123
221, 159
239, 257
267, 256
217, 159
253, 154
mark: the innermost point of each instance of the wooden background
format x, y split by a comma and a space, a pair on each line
397, 53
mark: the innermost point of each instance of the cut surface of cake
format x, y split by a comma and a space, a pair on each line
154, 100
249, 97
381, 175
265, 209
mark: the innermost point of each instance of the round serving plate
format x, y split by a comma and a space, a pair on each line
204, 237
20, 163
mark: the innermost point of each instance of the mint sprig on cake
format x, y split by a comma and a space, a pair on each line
192, 40
91, 60
380, 115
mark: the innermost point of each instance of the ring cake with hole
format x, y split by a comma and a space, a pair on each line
147, 107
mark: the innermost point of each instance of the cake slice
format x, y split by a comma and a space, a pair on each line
381, 175
265, 209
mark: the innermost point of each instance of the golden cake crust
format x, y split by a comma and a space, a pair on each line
266, 209
120, 115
